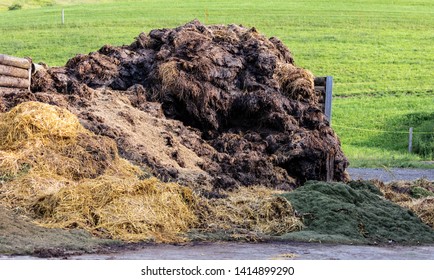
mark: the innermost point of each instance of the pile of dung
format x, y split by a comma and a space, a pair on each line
251, 213
64, 176
251, 117
417, 196
356, 212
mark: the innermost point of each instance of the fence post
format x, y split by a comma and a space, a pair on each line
410, 139
63, 16
328, 98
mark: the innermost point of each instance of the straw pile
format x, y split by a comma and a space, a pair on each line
251, 213
123, 208
65, 176
417, 196
295, 83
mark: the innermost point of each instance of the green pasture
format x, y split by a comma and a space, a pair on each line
380, 53
374, 129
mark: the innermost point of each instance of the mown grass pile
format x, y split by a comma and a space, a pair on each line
356, 212
417, 196
65, 176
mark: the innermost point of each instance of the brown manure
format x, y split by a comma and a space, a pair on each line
64, 176
251, 115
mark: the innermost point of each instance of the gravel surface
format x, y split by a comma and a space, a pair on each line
392, 174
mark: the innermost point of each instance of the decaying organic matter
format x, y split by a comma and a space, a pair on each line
218, 122
20, 236
355, 212
62, 175
250, 213
417, 196
223, 102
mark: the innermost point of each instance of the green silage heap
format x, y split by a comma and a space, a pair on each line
356, 212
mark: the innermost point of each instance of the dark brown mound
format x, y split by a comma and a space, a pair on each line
249, 114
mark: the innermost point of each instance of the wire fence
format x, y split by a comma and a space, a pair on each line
382, 131
419, 142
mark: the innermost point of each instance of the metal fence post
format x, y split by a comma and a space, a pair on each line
410, 139
328, 98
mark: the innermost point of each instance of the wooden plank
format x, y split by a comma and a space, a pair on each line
330, 167
328, 99
13, 82
14, 71
14, 61
10, 90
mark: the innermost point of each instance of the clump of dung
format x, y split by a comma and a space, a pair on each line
252, 213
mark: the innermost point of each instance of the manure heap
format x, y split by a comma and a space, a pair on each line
217, 106
61, 175
192, 133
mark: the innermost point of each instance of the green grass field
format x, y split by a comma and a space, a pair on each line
381, 55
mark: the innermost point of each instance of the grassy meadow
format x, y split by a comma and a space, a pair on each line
381, 55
